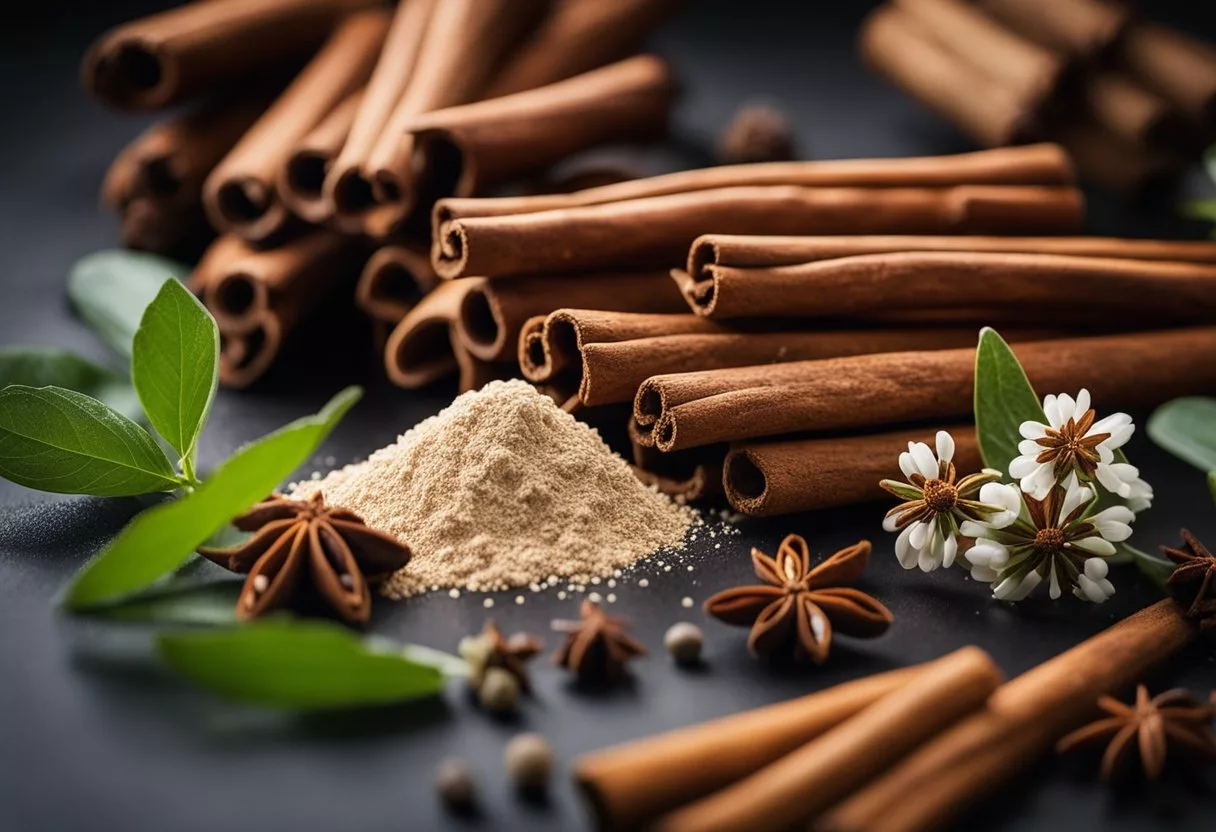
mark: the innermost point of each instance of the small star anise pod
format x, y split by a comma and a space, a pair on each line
333, 546
1173, 716
1193, 582
802, 605
757, 133
491, 649
597, 647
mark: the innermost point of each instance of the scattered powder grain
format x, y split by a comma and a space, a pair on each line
504, 489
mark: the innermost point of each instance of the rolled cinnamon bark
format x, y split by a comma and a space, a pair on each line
603, 358
393, 282
1179, 67
493, 314
287, 281
419, 349
459, 151
796, 788
686, 476
901, 48
1131, 112
1091, 288
169, 57
658, 230
301, 180
246, 356
241, 194
475, 373
765, 479
465, 41
1078, 27
577, 36
1021, 722
147, 225
1129, 169
224, 251
1040, 164
629, 784
743, 251
348, 187
687, 410
1028, 71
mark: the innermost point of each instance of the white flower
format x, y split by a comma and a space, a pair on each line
1073, 443
1054, 543
935, 505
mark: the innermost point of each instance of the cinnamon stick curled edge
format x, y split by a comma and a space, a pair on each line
301, 180
419, 349
393, 282
632, 783
170, 57
685, 475
684, 410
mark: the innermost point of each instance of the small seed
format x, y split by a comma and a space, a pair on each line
499, 691
683, 641
346, 580
260, 582
528, 759
455, 785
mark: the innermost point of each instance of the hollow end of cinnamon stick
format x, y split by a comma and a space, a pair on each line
394, 280
419, 353
237, 299
128, 73
480, 324
246, 356
248, 207
304, 180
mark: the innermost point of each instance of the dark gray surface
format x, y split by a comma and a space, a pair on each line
94, 736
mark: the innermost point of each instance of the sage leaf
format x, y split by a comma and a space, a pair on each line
298, 665
1187, 429
110, 290
51, 367
1212, 483
1004, 400
211, 603
175, 366
160, 539
59, 440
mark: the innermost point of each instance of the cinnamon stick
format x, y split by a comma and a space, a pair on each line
461, 150
901, 48
419, 349
685, 475
301, 180
147, 225
1040, 164
1179, 67
246, 356
1129, 169
765, 479
1021, 721
473, 373
465, 41
629, 784
658, 230
1130, 111
170, 57
222, 252
592, 358
690, 409
493, 314
805, 782
1026, 70
348, 188
1092, 288
577, 36
394, 280
241, 194
1078, 27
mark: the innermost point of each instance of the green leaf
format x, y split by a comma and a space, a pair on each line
50, 367
1209, 162
1156, 568
59, 440
110, 290
188, 602
163, 537
300, 665
1004, 400
1187, 429
1200, 209
1212, 483
175, 366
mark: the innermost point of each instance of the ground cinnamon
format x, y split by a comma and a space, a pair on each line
241, 194
629, 784
419, 349
765, 479
685, 410
170, 57
1021, 721
394, 280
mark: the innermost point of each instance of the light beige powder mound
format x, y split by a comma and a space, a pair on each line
504, 489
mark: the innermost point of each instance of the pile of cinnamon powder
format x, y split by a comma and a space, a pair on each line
504, 489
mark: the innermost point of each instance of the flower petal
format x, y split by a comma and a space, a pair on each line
1032, 430
1095, 546
1051, 409
926, 464
904, 553
945, 446
1082, 403
949, 549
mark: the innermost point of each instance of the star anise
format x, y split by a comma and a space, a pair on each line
491, 649
597, 647
339, 553
1071, 447
1193, 582
1173, 716
802, 605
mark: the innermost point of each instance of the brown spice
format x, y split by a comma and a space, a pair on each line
1193, 582
491, 649
597, 647
803, 604
757, 133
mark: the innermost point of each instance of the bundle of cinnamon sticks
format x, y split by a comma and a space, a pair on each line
1130, 99
318, 133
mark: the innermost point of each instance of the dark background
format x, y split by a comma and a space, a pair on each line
93, 735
